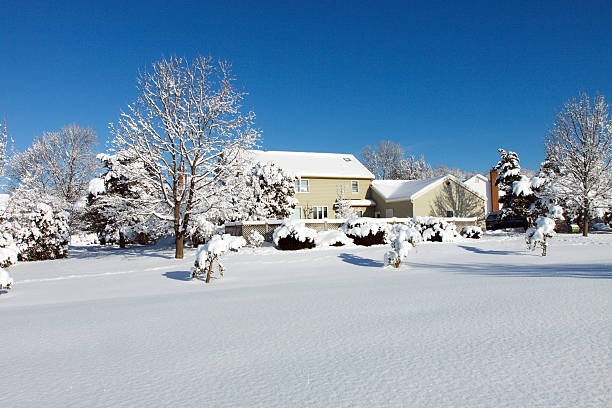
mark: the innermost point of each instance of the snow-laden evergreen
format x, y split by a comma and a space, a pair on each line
44, 235
365, 231
294, 234
272, 191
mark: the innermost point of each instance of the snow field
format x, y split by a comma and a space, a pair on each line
471, 323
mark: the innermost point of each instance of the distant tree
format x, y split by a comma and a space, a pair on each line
383, 160
4, 148
187, 116
579, 147
59, 164
412, 168
509, 172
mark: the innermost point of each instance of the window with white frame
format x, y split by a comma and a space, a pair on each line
354, 186
301, 186
319, 212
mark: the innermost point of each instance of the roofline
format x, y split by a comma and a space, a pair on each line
429, 187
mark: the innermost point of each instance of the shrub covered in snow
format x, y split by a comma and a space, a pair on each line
6, 282
8, 248
294, 234
210, 253
436, 229
200, 230
255, 239
471, 232
543, 229
365, 231
45, 235
403, 238
332, 238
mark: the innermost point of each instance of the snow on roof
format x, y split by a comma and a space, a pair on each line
362, 203
304, 164
476, 176
402, 190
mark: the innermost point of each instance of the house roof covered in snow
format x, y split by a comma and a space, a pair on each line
476, 177
305, 164
403, 190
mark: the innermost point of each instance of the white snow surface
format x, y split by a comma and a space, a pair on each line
332, 237
307, 164
481, 323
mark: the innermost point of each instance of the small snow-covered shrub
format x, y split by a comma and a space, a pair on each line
365, 231
403, 238
544, 228
436, 229
293, 235
200, 230
332, 238
471, 232
210, 253
255, 239
6, 282
45, 235
84, 239
8, 249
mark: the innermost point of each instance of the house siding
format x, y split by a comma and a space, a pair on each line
323, 192
401, 209
454, 197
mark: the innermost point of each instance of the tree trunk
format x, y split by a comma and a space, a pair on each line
209, 271
178, 253
585, 223
121, 240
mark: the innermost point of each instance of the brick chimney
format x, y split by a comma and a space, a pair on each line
494, 191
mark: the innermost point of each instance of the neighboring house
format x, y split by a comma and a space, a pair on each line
319, 177
486, 187
443, 196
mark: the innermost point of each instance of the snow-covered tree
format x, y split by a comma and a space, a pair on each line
509, 172
44, 235
58, 164
383, 160
272, 192
209, 255
403, 238
579, 147
342, 206
187, 116
412, 168
255, 239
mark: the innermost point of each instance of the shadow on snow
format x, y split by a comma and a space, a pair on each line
488, 251
360, 261
178, 275
98, 251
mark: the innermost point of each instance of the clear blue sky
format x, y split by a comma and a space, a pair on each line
451, 81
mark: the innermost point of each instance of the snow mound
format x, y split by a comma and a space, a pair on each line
84, 239
332, 238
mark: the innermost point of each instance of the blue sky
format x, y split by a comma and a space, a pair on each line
450, 81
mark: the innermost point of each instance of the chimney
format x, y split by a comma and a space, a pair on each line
494, 191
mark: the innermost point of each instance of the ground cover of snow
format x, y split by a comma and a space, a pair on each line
470, 323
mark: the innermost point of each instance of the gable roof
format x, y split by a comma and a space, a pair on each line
305, 164
476, 176
403, 190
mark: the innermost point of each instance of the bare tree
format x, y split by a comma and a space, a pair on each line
185, 119
59, 164
580, 146
383, 160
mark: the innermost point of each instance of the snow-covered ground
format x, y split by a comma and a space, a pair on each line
473, 323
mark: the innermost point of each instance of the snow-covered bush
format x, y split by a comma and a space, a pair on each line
403, 238
8, 248
255, 239
200, 230
294, 234
332, 238
436, 229
45, 235
210, 253
543, 229
365, 231
6, 282
471, 232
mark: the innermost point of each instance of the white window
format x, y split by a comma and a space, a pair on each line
389, 213
301, 186
354, 186
319, 212
297, 213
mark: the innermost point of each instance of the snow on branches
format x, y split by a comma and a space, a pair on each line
403, 238
210, 254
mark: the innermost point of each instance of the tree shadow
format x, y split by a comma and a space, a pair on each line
588, 271
360, 261
3, 291
488, 251
184, 276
